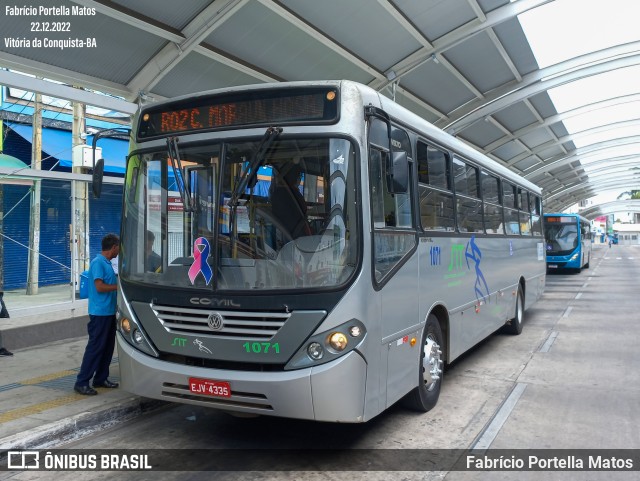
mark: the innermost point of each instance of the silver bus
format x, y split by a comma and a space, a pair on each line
313, 250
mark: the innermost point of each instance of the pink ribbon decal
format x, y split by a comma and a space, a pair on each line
201, 249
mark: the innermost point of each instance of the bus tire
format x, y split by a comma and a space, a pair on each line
586, 266
514, 326
430, 369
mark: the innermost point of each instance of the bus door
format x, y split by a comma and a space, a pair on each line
585, 242
395, 266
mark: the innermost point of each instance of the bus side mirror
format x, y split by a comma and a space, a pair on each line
96, 181
398, 173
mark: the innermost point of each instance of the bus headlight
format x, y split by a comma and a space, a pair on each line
355, 331
125, 325
131, 331
338, 341
329, 345
137, 336
315, 350
574, 256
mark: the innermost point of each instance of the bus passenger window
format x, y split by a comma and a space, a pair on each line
525, 216
434, 184
511, 216
492, 208
468, 206
536, 210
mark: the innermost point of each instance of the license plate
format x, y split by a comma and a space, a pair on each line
210, 388
552, 266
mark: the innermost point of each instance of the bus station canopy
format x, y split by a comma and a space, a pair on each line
538, 85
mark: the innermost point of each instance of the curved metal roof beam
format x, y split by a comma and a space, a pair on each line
453, 38
432, 51
588, 65
318, 35
624, 181
592, 182
571, 137
621, 165
594, 177
158, 66
612, 207
120, 13
582, 152
554, 119
27, 66
560, 206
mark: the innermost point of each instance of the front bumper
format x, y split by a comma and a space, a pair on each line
333, 392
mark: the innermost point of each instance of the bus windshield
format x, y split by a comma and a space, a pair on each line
561, 237
239, 216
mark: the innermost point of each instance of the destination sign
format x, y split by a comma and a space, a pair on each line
560, 220
257, 108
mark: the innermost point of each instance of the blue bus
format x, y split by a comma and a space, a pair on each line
568, 241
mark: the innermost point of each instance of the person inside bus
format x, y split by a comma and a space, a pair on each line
287, 202
153, 261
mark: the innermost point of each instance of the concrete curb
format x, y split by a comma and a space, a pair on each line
25, 334
80, 425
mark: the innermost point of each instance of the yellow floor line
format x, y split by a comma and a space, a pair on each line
47, 377
38, 408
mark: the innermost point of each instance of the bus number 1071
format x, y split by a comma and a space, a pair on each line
261, 347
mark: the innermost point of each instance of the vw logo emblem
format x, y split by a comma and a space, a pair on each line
215, 321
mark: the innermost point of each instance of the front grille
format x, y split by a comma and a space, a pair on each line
235, 324
219, 364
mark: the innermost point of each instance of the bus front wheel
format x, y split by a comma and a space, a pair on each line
430, 369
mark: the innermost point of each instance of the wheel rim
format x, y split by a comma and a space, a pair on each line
519, 310
431, 363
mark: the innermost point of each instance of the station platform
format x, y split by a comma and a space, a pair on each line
47, 333
51, 314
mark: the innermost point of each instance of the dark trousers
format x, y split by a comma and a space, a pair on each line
99, 350
3, 307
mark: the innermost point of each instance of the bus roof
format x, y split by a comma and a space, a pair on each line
411, 121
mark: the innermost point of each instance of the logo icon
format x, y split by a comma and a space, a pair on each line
215, 321
201, 346
23, 460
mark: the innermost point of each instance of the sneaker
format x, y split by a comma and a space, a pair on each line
5, 352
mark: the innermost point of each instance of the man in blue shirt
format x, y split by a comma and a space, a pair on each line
102, 287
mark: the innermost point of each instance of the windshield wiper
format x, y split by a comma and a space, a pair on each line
183, 187
250, 173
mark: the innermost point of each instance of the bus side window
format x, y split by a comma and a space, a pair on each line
468, 205
511, 217
525, 216
492, 208
434, 184
392, 214
536, 211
